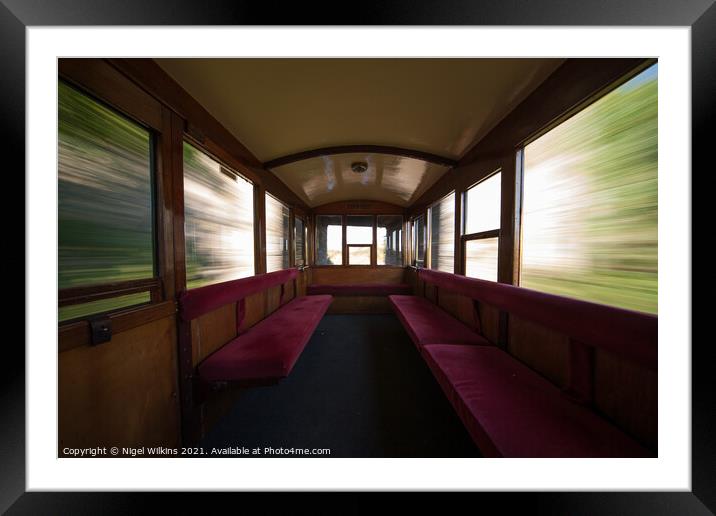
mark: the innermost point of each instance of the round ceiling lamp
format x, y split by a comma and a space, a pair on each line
359, 167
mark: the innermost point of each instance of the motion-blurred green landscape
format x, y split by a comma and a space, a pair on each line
590, 203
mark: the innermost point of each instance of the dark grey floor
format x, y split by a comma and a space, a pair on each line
359, 388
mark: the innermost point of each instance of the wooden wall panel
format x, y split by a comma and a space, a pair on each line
357, 275
410, 276
360, 305
273, 296
212, 330
302, 281
489, 322
254, 310
627, 394
543, 350
460, 307
430, 292
289, 293
122, 392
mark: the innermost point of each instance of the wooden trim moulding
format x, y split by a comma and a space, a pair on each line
360, 149
77, 334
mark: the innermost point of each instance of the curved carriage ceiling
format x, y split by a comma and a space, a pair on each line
389, 178
280, 107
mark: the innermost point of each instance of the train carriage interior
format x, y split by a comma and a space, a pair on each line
368, 257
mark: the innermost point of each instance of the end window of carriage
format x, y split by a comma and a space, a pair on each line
481, 209
360, 240
106, 251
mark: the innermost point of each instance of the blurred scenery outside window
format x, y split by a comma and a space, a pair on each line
419, 236
359, 230
277, 235
590, 202
359, 255
299, 241
329, 240
482, 213
482, 205
390, 237
442, 234
218, 221
105, 222
481, 258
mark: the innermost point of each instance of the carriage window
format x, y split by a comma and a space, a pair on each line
481, 258
590, 201
442, 234
299, 229
329, 240
482, 228
105, 221
419, 235
218, 221
390, 236
482, 205
359, 255
277, 235
359, 237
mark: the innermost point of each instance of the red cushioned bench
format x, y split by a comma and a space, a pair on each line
508, 409
268, 350
375, 289
511, 411
426, 323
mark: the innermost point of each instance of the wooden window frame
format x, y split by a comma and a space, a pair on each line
104, 84
413, 240
429, 228
226, 169
153, 285
480, 235
292, 232
402, 238
291, 262
343, 240
346, 245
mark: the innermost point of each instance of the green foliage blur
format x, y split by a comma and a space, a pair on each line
105, 200
590, 203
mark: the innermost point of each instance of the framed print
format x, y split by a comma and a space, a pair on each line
444, 248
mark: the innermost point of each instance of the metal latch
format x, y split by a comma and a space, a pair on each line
101, 329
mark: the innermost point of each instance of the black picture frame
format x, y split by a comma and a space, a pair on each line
17, 15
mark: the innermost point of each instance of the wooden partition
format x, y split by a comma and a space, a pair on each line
359, 275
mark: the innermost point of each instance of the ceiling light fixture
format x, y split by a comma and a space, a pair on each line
359, 167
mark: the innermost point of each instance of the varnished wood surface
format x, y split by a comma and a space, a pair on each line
338, 275
362, 149
123, 392
360, 305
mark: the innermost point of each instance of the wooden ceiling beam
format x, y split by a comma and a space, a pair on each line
360, 149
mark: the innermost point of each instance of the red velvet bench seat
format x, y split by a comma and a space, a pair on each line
270, 348
511, 411
267, 351
426, 323
376, 289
